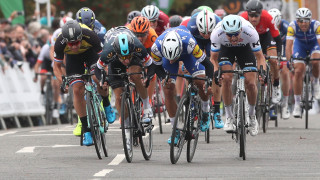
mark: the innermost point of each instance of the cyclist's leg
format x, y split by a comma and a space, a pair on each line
315, 53
151, 87
179, 82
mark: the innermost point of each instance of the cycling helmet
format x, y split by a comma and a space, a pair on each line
195, 11
86, 16
123, 44
276, 15
64, 20
303, 13
206, 21
151, 12
254, 6
231, 24
72, 31
132, 15
205, 8
220, 12
175, 20
171, 46
140, 24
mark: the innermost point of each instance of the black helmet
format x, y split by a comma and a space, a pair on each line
175, 20
254, 6
86, 16
195, 11
123, 44
71, 31
132, 15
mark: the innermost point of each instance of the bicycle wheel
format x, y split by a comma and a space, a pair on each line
193, 128
127, 126
306, 99
266, 111
69, 104
158, 106
260, 103
49, 99
242, 125
93, 119
179, 129
103, 129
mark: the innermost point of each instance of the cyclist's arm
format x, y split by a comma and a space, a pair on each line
260, 59
58, 57
214, 59
289, 42
278, 44
208, 67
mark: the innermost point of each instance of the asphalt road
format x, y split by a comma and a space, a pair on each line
52, 152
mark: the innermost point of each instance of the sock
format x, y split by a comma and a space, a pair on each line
285, 101
105, 101
297, 99
229, 113
316, 80
171, 121
146, 104
205, 106
252, 110
216, 107
84, 124
276, 82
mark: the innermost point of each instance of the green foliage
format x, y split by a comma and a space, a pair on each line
185, 7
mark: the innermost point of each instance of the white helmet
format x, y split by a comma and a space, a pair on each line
64, 20
303, 13
231, 23
206, 21
151, 12
171, 46
276, 15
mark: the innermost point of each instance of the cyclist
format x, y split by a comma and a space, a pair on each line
220, 12
263, 22
235, 37
140, 26
123, 51
175, 20
174, 45
78, 45
303, 35
158, 19
282, 25
132, 15
201, 25
87, 17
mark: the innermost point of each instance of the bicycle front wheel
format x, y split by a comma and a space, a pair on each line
179, 130
242, 125
193, 126
127, 126
266, 112
49, 108
93, 118
306, 99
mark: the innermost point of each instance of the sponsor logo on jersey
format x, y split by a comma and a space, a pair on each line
197, 52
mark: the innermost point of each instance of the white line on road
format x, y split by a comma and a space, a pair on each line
59, 146
103, 173
47, 135
12, 132
29, 149
117, 160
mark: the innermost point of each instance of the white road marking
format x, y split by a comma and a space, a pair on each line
11, 132
26, 135
59, 146
103, 173
29, 149
117, 160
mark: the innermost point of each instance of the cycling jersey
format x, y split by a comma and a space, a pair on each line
283, 34
248, 35
163, 23
304, 41
203, 43
100, 30
55, 36
185, 22
109, 55
191, 54
152, 36
89, 41
44, 59
266, 23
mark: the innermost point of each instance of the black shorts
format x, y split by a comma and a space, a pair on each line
244, 55
267, 42
47, 65
75, 63
116, 67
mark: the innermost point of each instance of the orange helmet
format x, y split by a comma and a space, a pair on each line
140, 24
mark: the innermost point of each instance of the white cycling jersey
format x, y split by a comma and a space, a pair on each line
55, 36
248, 35
44, 53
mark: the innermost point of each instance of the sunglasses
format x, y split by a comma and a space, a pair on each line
125, 57
303, 20
233, 34
141, 34
253, 14
73, 43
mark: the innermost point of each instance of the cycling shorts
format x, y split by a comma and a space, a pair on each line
300, 50
46, 66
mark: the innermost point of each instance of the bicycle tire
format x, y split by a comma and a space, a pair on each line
126, 104
261, 103
266, 113
207, 136
242, 125
194, 130
180, 117
48, 107
93, 118
69, 104
103, 129
158, 106
306, 99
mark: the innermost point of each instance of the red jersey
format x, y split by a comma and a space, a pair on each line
185, 22
266, 23
163, 23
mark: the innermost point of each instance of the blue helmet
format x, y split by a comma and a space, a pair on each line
86, 16
123, 44
231, 24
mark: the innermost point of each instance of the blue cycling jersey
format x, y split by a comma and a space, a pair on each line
100, 30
